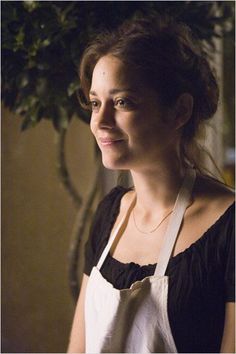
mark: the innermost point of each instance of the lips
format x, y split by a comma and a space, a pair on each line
109, 141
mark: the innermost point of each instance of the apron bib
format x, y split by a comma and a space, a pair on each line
134, 320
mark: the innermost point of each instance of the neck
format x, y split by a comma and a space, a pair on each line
157, 188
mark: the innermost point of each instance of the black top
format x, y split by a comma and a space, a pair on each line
201, 279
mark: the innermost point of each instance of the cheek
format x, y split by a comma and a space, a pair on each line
92, 125
149, 131
142, 126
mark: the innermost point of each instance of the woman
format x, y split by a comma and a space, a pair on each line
159, 265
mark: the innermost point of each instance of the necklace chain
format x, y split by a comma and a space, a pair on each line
155, 228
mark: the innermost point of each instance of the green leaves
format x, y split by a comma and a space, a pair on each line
73, 87
42, 44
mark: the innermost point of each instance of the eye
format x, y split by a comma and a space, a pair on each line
94, 105
123, 103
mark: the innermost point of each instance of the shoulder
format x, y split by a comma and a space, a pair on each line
212, 195
113, 206
212, 208
111, 203
102, 222
116, 194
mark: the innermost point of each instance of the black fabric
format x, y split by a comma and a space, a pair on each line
201, 279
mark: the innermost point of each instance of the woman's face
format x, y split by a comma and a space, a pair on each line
132, 129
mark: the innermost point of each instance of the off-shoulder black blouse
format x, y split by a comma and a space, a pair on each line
201, 279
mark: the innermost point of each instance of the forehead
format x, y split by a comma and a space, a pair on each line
110, 70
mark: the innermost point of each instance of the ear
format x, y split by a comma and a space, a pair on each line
183, 109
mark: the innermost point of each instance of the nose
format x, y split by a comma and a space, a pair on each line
105, 117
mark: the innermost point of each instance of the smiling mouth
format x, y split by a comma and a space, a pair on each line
110, 142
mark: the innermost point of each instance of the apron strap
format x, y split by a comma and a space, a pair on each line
115, 233
175, 222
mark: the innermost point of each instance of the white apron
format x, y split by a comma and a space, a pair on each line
134, 320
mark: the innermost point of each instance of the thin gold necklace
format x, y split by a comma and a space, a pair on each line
155, 228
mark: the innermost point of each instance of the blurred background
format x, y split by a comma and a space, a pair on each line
52, 177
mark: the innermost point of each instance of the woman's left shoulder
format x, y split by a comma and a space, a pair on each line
216, 195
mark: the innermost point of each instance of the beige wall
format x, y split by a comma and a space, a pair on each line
37, 219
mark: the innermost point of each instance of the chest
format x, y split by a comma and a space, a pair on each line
132, 245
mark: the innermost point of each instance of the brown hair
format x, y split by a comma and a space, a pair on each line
170, 60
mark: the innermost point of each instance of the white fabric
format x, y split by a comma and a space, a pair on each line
134, 320
175, 222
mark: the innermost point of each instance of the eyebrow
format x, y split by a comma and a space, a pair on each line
115, 91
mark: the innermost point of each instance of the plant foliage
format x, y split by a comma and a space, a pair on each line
42, 43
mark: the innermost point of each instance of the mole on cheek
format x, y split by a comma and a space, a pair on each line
103, 73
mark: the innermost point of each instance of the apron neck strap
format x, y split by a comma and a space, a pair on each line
172, 231
115, 233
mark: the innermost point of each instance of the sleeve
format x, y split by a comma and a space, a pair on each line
102, 223
229, 275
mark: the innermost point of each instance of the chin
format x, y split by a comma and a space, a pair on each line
114, 164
